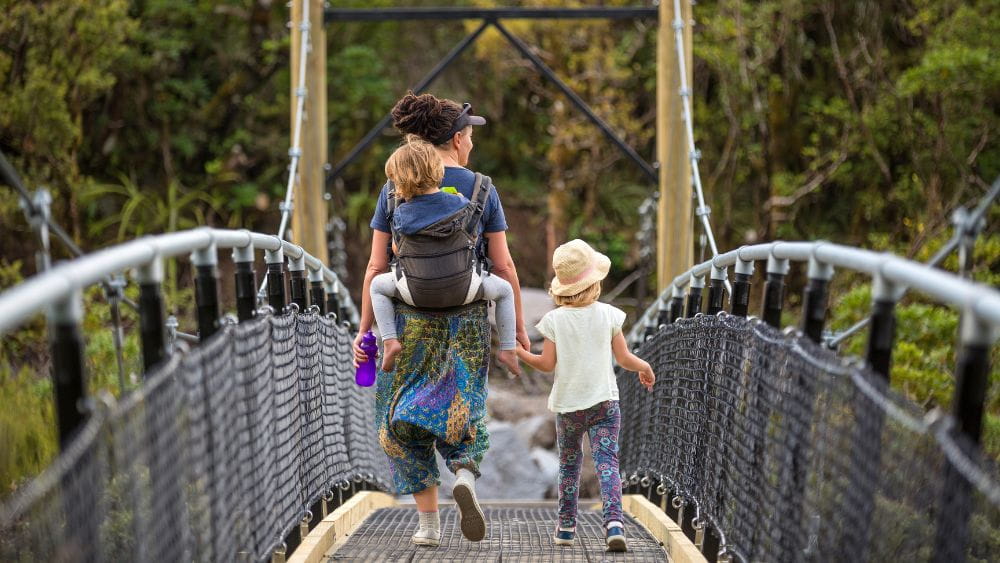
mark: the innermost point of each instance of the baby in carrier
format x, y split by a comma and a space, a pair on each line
435, 243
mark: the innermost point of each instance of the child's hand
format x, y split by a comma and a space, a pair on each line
646, 377
521, 351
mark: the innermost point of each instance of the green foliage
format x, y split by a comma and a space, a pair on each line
27, 426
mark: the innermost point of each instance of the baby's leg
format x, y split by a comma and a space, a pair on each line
383, 288
497, 289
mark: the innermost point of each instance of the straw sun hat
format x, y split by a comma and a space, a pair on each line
577, 267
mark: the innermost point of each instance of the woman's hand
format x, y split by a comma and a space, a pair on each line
522, 338
359, 354
646, 376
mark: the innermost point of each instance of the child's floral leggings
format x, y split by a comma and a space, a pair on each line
602, 421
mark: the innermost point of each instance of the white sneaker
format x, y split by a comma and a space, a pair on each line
473, 523
429, 530
425, 536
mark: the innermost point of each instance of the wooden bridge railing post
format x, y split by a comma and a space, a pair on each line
151, 329
206, 290
246, 282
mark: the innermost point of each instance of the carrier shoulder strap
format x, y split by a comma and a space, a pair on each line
480, 195
390, 205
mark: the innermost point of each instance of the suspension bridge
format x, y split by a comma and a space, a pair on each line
251, 442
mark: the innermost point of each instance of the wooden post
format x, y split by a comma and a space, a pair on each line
675, 247
309, 214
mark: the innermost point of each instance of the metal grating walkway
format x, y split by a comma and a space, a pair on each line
516, 533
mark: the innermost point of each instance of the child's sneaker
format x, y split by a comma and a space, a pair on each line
616, 537
564, 537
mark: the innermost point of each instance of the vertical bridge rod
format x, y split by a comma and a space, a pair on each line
151, 329
206, 290
246, 282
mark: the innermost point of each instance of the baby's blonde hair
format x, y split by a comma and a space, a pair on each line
415, 167
582, 299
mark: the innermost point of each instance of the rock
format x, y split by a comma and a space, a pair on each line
503, 404
539, 431
548, 469
508, 469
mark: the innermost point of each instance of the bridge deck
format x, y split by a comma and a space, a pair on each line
516, 533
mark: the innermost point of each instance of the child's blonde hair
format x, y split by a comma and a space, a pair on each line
582, 299
415, 167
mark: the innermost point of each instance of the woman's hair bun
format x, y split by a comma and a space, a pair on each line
424, 115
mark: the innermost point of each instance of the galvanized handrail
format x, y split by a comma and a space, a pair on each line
981, 301
62, 281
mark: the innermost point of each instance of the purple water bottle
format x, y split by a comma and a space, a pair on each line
365, 376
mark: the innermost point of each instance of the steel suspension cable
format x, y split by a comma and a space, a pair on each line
295, 151
703, 211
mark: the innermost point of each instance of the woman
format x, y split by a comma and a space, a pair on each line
436, 395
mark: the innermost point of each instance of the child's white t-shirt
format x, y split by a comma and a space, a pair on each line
584, 374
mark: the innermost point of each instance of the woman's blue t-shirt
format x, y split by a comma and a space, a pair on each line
424, 210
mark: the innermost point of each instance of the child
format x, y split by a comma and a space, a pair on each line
416, 170
583, 333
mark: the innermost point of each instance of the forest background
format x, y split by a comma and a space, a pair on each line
863, 122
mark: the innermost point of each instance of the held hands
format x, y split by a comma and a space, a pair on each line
646, 376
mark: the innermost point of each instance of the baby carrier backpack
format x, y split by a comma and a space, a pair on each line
438, 267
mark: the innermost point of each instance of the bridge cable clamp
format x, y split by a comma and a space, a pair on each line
703, 211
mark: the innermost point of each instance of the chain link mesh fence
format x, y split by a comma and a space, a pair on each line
791, 453
217, 457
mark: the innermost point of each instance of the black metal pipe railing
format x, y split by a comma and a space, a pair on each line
814, 301
316, 295
716, 292
276, 280
246, 292
463, 13
206, 290
68, 381
152, 333
676, 307
739, 304
774, 291
297, 289
694, 297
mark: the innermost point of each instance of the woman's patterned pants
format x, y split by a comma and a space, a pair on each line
602, 421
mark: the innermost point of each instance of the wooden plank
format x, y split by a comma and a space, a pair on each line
338, 524
679, 548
